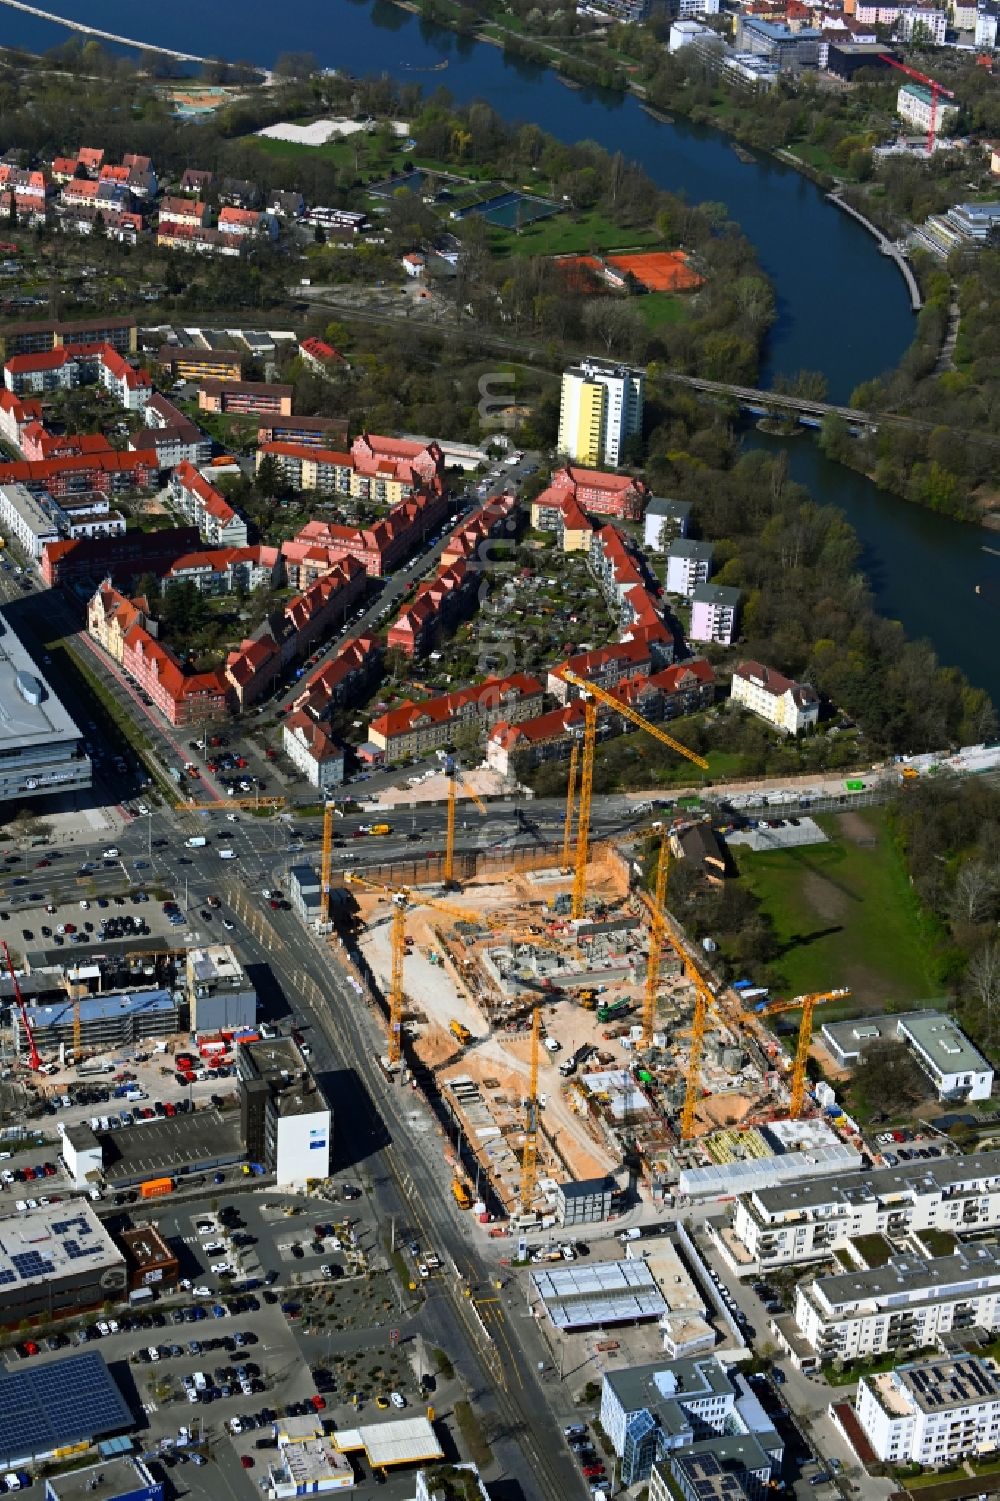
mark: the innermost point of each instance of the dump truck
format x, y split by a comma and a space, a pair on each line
612, 1010
462, 1196
457, 1029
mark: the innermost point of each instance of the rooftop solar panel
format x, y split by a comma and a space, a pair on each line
54, 1405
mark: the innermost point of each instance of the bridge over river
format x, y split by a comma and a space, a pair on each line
104, 36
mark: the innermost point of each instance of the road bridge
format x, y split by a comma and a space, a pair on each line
104, 36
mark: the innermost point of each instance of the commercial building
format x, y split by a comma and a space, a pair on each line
149, 1261
688, 565
777, 43
907, 1304
599, 408
219, 992
55, 1260
790, 706
805, 1220
119, 1477
654, 1412
414, 728
957, 1070
82, 1154
304, 892
584, 1202
286, 1123
931, 1412
714, 613
599, 1295
49, 1408
41, 749
112, 1020
664, 520
724, 1468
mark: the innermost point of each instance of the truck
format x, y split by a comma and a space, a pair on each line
155, 1188
462, 1196
380, 828
611, 1011
457, 1029
196, 842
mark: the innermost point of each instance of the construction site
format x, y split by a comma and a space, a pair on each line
566, 1026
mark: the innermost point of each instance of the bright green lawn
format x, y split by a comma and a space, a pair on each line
565, 235
659, 308
844, 914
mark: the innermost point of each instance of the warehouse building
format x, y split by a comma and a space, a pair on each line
106, 1021
48, 1408
56, 1259
41, 748
219, 993
117, 1478
286, 1123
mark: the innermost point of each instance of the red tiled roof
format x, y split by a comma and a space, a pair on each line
545, 727
775, 683
48, 359
440, 710
319, 743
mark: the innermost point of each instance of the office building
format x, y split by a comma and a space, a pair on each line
54, 1260
650, 1412
688, 565
906, 1304
957, 1070
600, 407
41, 750
111, 1020
219, 993
149, 1261
286, 1123
804, 1220
721, 1468
931, 1412
787, 705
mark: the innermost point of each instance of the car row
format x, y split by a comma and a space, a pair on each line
578, 1438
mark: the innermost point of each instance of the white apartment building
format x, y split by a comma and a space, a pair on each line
803, 1221
688, 565
913, 104
664, 520
986, 27
931, 1412
904, 1305
312, 749
31, 520
954, 1066
790, 706
600, 406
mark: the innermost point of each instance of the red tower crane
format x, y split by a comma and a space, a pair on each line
937, 89
34, 1056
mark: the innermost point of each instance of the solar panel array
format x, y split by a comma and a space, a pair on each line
76, 1237
943, 1384
64, 1402
29, 1264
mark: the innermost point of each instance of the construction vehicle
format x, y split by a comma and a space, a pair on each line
592, 696
588, 1000
454, 778
463, 1198
612, 1011
34, 1056
380, 828
457, 1029
936, 90
808, 1004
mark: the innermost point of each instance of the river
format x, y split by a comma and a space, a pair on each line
843, 307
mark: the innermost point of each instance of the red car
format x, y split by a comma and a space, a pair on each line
246, 1460
28, 1348
170, 1108
70, 927
41, 864
271, 753
592, 1471
29, 1174
318, 1402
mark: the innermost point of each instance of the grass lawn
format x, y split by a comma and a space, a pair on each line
844, 914
657, 309
566, 235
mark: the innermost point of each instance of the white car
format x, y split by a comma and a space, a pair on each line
84, 905
232, 818
221, 1269
103, 1328
235, 1426
397, 1399
422, 1270
552, 1044
201, 1292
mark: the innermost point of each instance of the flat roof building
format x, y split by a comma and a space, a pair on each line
286, 1122
599, 1294
932, 1412
58, 1405
106, 1021
41, 749
954, 1066
116, 1478
181, 1144
220, 995
56, 1260
148, 1257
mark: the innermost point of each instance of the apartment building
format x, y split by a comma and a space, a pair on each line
914, 103
515, 748
342, 680
600, 407
246, 397
110, 472
931, 1412
16, 415
439, 604
46, 370
803, 1221
619, 571
183, 698
187, 363
380, 548
714, 614
555, 511
190, 213
954, 1066
34, 337
312, 749
110, 616
305, 432
688, 565
789, 706
202, 504
664, 521
602, 494
651, 1412
224, 570
88, 560
305, 466
907, 1304
413, 729
607, 666
131, 388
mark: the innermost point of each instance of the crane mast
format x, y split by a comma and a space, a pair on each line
937, 89
570, 801
34, 1056
529, 1157
657, 930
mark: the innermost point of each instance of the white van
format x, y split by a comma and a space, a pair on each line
111, 853
196, 842
227, 854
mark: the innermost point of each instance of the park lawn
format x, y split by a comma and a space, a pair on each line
844, 915
657, 309
564, 235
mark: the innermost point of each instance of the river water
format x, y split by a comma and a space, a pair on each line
843, 308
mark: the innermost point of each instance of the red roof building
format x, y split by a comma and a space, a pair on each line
112, 473
342, 680
415, 728
602, 494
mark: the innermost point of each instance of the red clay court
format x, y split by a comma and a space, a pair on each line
659, 270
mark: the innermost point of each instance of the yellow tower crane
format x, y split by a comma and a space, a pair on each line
657, 933
454, 777
326, 861
529, 1157
702, 1000
570, 801
808, 1003
402, 899
594, 695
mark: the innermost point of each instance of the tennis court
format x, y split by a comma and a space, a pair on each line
659, 270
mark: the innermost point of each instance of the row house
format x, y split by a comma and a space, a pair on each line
556, 511
256, 665
30, 212
37, 336
225, 570
82, 192
110, 617
380, 547
414, 729
285, 203
196, 180
804, 1221
201, 503
199, 241
607, 667
343, 680
135, 175
602, 494
243, 224
31, 187
123, 225
497, 518
16, 416
112, 473
439, 604
313, 751
188, 213
306, 432
183, 698
249, 396
239, 193
84, 563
